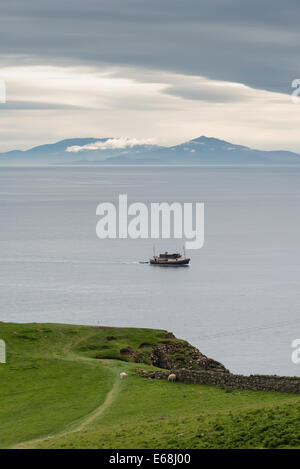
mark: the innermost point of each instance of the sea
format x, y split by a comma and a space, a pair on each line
238, 301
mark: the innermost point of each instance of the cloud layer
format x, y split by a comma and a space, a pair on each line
173, 70
250, 42
111, 144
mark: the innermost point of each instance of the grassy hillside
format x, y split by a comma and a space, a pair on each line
60, 388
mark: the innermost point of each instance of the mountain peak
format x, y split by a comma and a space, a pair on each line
205, 139
213, 141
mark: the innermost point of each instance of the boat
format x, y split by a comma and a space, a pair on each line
169, 259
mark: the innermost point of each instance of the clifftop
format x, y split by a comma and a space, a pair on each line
154, 347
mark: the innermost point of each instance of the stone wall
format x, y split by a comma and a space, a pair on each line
228, 380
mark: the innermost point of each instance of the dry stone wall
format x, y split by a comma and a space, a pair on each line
229, 380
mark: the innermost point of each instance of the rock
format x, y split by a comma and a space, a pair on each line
170, 335
128, 351
183, 355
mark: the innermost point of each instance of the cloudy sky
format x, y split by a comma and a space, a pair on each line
165, 70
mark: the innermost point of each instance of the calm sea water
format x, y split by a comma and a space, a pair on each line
238, 302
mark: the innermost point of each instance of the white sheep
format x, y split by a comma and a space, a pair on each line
172, 377
123, 375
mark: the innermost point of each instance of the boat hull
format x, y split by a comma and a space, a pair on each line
169, 262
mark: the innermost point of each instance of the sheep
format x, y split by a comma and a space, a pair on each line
123, 375
172, 377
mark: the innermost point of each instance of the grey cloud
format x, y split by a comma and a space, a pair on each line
251, 42
207, 93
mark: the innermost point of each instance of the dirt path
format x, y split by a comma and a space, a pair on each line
84, 422
99, 410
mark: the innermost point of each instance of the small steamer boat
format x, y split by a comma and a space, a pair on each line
169, 259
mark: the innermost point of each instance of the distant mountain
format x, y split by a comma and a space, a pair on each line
202, 150
74, 150
205, 150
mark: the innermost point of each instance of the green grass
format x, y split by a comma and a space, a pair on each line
52, 383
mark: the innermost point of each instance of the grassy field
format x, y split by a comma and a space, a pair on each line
60, 388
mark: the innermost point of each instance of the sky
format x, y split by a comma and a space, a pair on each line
163, 70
